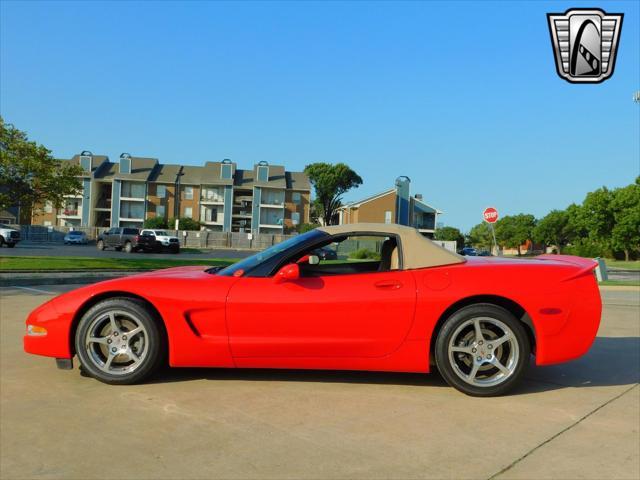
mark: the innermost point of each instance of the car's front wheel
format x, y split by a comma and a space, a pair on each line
118, 341
100, 245
482, 350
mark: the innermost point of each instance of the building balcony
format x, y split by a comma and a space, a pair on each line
272, 205
132, 199
70, 213
212, 201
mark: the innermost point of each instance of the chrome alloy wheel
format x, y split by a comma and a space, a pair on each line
483, 352
117, 342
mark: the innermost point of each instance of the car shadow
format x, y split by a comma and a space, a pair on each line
611, 361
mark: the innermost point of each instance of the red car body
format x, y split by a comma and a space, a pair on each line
382, 321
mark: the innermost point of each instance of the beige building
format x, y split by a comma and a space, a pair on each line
222, 197
395, 205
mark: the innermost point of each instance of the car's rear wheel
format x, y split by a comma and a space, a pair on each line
100, 245
118, 341
128, 247
1, 241
11, 245
482, 350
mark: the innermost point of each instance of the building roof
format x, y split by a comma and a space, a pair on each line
297, 181
141, 169
97, 161
164, 173
107, 171
425, 207
356, 204
417, 251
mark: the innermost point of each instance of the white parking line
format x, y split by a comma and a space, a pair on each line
35, 290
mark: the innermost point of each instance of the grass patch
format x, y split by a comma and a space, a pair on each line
85, 263
631, 265
621, 283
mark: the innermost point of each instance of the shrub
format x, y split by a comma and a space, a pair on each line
157, 222
185, 224
585, 247
306, 227
364, 253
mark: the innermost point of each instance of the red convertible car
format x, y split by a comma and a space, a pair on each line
389, 300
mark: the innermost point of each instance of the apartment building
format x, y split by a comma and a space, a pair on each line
222, 197
395, 205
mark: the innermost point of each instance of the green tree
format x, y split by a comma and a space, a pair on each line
554, 229
29, 175
514, 230
450, 234
480, 236
596, 215
330, 183
625, 234
156, 222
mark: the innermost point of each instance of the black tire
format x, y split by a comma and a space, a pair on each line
11, 245
100, 245
128, 247
473, 373
1, 241
152, 338
175, 250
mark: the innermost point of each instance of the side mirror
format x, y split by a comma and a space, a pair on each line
289, 272
314, 259
304, 259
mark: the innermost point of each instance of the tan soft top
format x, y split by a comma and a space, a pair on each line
417, 250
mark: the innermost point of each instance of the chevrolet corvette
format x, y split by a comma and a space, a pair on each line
388, 299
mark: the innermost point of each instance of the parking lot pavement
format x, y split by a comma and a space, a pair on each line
30, 249
578, 420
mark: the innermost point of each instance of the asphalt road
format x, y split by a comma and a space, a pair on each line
24, 249
576, 420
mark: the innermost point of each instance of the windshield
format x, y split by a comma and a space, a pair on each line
246, 265
75, 233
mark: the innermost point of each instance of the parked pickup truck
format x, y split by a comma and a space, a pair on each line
8, 236
159, 240
122, 238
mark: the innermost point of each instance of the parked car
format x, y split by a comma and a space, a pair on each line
469, 252
120, 238
326, 253
76, 237
8, 236
484, 253
415, 308
160, 240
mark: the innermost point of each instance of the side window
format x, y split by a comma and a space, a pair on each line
352, 254
114, 231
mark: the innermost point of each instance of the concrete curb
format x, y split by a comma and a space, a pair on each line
61, 278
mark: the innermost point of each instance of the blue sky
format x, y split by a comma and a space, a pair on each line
462, 97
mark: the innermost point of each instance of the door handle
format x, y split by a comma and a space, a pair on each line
388, 285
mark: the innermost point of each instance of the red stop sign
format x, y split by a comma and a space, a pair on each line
490, 215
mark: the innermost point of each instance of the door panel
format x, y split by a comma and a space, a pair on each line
360, 315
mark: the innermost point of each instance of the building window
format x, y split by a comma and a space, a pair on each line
188, 211
263, 173
188, 193
133, 190
226, 171
161, 191
296, 197
387, 216
160, 211
131, 209
295, 218
48, 207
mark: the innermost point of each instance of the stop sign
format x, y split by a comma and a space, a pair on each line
490, 215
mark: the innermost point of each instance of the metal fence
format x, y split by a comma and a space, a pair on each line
190, 239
